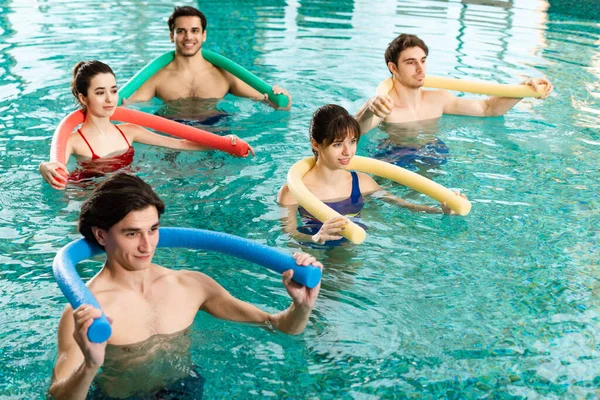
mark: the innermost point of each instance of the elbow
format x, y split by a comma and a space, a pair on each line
54, 392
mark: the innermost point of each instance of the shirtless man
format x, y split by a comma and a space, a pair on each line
189, 75
144, 300
407, 102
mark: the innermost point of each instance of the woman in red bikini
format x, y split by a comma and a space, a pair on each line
99, 145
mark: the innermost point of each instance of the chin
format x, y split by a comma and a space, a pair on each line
189, 53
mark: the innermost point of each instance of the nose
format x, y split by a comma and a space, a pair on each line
346, 149
144, 246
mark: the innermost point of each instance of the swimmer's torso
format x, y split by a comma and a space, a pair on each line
147, 366
411, 133
432, 107
207, 83
191, 109
169, 305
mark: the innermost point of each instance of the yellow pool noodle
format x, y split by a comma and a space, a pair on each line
461, 85
352, 231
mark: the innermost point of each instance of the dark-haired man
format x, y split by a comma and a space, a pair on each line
189, 75
406, 58
150, 307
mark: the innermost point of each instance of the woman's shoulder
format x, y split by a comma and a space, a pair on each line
284, 197
366, 183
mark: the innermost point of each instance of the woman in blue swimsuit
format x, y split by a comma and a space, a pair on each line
99, 145
334, 134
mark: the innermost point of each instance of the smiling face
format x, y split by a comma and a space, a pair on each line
410, 68
102, 96
338, 154
131, 242
188, 35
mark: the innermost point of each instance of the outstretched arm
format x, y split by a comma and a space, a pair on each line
239, 88
143, 135
390, 198
490, 107
219, 303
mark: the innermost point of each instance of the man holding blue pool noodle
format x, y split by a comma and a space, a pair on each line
144, 301
190, 75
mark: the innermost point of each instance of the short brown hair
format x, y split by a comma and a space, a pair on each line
401, 43
112, 200
186, 11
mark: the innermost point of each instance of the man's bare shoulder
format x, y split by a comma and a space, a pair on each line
437, 96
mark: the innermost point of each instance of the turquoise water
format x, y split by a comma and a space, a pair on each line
501, 304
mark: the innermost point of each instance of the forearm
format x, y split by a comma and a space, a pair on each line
291, 321
366, 118
390, 198
497, 106
298, 236
76, 386
191, 146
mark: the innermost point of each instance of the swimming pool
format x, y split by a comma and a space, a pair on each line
503, 303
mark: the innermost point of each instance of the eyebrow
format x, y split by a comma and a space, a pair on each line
413, 58
102, 87
128, 230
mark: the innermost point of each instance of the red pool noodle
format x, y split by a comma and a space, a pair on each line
216, 142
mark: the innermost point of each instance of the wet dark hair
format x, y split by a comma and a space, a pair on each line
112, 200
331, 123
401, 43
83, 73
186, 11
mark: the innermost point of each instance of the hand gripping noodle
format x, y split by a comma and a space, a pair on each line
68, 124
215, 59
460, 85
353, 232
77, 293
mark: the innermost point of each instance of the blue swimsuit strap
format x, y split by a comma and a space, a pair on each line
355, 195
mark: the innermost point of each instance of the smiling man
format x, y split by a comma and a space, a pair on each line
189, 75
406, 58
150, 307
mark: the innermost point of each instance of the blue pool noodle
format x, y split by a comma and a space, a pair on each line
77, 293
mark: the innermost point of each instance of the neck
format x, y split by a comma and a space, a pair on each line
195, 61
137, 281
407, 97
326, 175
100, 123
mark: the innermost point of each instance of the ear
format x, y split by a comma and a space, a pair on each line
392, 68
314, 145
82, 99
172, 37
100, 235
203, 36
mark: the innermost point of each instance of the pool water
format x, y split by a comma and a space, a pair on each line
503, 303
